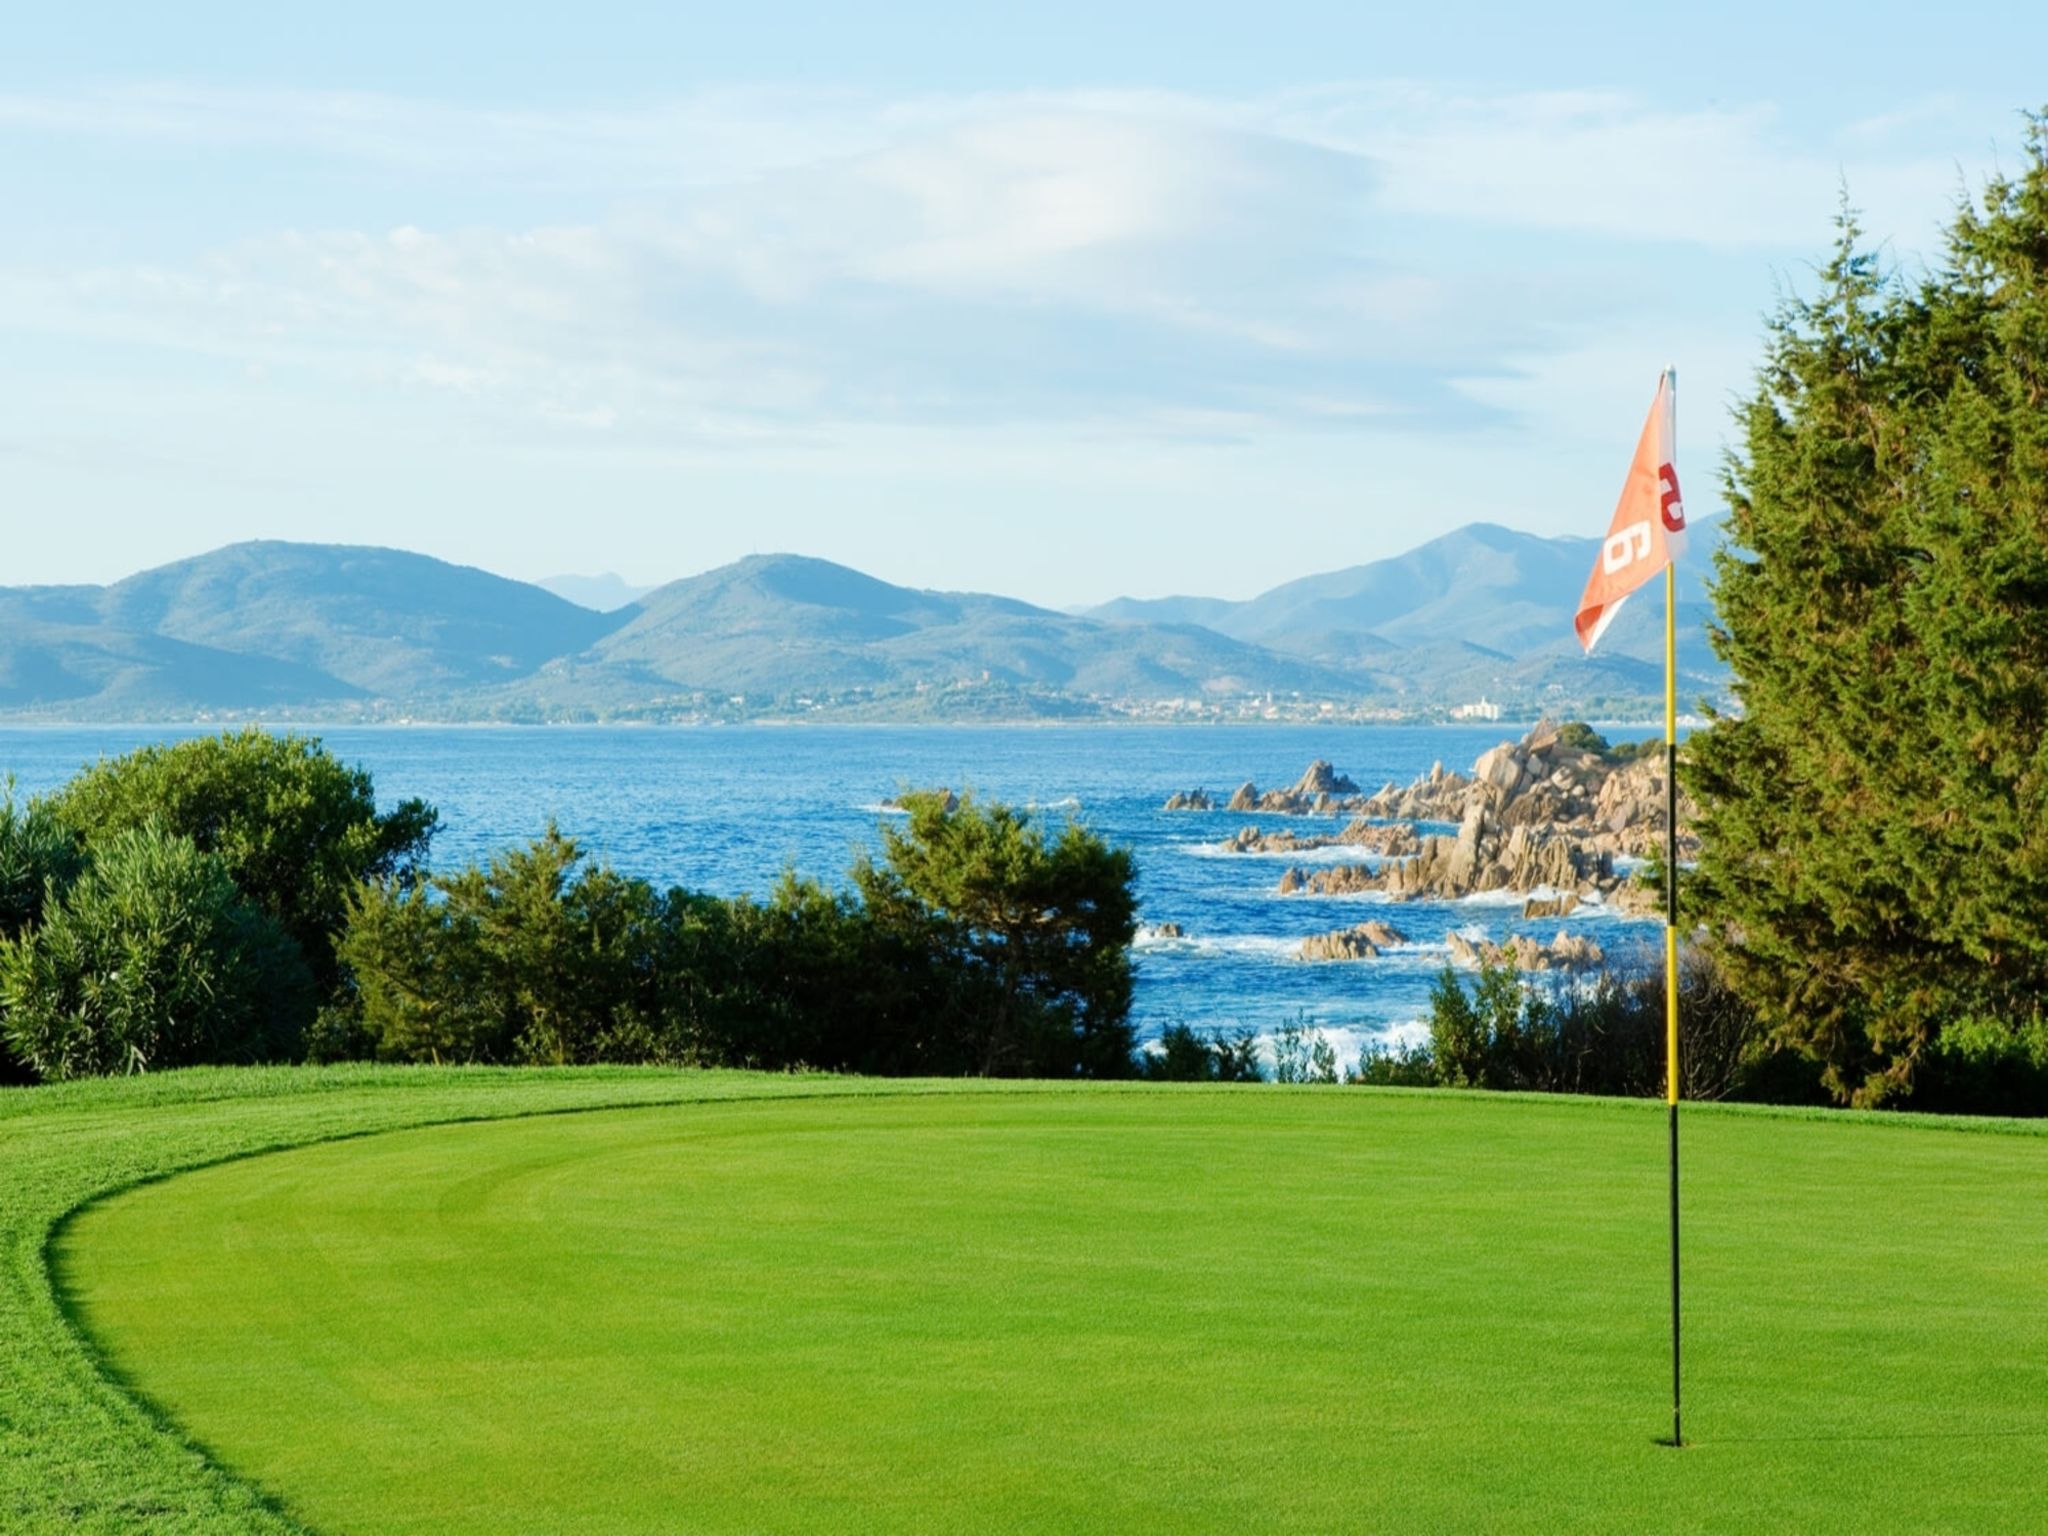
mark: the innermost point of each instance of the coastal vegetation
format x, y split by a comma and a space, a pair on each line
239, 898
1873, 818
1603, 1034
977, 944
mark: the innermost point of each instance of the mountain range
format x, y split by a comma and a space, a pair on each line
309, 631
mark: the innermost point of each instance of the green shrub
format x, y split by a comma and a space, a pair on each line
38, 855
1986, 1066
1576, 733
295, 829
1472, 1034
1381, 1065
1033, 933
531, 959
1187, 1056
1183, 1057
418, 978
814, 977
566, 954
1237, 1057
1634, 751
1552, 1033
980, 947
152, 959
338, 1033
1303, 1054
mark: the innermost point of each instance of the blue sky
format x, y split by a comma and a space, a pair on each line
1061, 300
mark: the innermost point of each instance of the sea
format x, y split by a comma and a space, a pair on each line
727, 808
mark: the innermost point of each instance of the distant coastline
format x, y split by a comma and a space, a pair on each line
1474, 625
314, 724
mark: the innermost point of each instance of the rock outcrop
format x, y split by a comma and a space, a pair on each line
1321, 778
1543, 816
1541, 781
1362, 941
1253, 840
1392, 839
1190, 800
1546, 782
1481, 856
1320, 791
1337, 880
1566, 952
1436, 796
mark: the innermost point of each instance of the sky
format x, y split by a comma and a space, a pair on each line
1061, 300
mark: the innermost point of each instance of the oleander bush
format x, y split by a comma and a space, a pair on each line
151, 958
296, 828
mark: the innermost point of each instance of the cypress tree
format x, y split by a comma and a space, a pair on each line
1874, 818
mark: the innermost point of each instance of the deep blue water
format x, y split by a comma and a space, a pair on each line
726, 809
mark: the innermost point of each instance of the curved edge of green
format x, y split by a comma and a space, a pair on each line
80, 1451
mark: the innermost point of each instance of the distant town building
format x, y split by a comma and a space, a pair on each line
1485, 709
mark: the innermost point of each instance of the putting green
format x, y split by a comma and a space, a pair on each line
1277, 1310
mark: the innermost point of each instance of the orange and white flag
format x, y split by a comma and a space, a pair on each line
1648, 530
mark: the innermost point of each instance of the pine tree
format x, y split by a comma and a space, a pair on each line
1875, 818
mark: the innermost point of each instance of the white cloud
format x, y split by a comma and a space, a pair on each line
1149, 263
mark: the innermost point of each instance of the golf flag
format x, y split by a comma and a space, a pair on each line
1648, 529
1644, 538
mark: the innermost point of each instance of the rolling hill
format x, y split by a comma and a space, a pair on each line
380, 621
1481, 608
328, 631
772, 622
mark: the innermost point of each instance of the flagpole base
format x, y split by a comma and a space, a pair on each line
1677, 1441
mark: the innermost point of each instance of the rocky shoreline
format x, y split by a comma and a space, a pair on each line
1546, 817
1557, 818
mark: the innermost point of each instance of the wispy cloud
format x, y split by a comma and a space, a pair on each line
774, 260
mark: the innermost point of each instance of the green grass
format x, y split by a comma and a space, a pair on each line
787, 1304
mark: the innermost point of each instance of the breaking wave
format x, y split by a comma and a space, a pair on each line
1334, 853
1219, 944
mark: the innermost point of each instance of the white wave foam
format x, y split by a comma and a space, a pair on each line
1349, 1041
1369, 898
1335, 853
1220, 944
1406, 1035
888, 808
1491, 899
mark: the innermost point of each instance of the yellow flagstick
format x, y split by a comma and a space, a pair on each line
1649, 498
1671, 929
